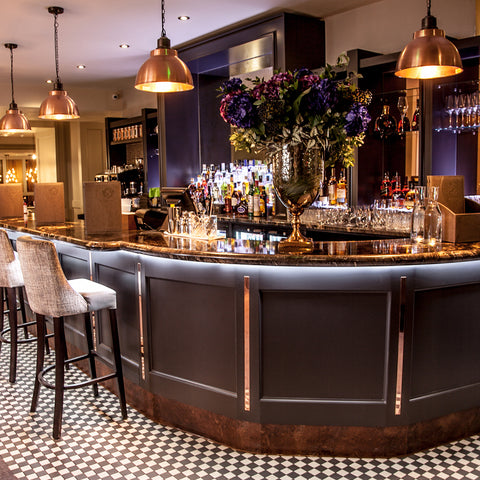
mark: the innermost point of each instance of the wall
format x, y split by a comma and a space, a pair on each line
388, 25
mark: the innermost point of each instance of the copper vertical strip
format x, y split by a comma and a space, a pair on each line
246, 342
92, 314
401, 339
140, 318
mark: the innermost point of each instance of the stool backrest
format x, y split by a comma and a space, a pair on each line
48, 291
10, 272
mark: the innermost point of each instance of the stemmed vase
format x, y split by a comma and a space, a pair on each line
297, 178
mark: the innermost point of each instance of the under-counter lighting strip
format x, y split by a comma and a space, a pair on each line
401, 340
140, 318
246, 342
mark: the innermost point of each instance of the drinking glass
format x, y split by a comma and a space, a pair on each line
450, 108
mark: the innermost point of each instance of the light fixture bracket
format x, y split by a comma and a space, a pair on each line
55, 10
163, 42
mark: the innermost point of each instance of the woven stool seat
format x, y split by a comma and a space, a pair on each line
11, 286
50, 294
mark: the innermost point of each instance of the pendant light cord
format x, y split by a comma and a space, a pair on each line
55, 27
429, 4
13, 105
164, 33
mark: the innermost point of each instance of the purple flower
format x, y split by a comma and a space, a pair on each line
271, 88
238, 110
356, 120
322, 96
232, 85
302, 72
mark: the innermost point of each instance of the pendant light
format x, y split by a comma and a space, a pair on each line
429, 54
164, 71
58, 105
14, 121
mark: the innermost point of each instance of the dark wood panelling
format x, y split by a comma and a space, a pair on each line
192, 330
446, 339
118, 272
344, 355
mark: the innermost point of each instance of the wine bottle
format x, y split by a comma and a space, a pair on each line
332, 188
342, 189
416, 117
385, 124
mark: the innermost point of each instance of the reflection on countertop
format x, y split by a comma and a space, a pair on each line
228, 250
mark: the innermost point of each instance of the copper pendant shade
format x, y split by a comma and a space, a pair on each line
58, 105
14, 121
429, 54
164, 71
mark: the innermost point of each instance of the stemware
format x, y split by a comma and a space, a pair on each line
450, 108
402, 105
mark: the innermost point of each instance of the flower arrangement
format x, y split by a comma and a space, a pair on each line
298, 108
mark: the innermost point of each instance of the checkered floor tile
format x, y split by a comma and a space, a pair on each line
97, 444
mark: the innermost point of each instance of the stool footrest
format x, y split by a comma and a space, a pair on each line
71, 386
4, 339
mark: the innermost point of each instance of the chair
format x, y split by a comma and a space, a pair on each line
49, 294
11, 285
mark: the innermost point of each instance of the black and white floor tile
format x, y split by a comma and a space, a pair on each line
97, 444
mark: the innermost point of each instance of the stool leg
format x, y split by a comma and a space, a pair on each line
21, 300
2, 293
118, 361
60, 353
91, 359
12, 318
40, 358
64, 341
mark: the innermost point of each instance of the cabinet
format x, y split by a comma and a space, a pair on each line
132, 144
441, 146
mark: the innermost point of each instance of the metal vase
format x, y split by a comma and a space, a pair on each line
297, 177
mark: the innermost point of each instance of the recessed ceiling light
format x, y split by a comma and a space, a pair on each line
124, 45
81, 67
48, 81
184, 17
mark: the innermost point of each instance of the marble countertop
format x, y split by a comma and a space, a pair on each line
255, 252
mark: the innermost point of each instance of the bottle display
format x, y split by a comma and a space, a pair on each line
386, 187
385, 124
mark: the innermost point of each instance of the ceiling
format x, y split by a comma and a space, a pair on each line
90, 32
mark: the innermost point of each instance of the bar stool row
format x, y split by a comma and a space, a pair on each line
36, 268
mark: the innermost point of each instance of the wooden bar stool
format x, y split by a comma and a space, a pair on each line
11, 285
50, 294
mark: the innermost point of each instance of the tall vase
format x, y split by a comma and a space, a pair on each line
297, 177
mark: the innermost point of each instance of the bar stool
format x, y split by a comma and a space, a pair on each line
11, 284
49, 294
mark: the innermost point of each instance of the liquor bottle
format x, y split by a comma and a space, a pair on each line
263, 202
386, 188
342, 189
398, 198
332, 188
235, 198
242, 206
385, 124
228, 202
406, 188
271, 207
416, 117
417, 233
410, 195
256, 200
251, 189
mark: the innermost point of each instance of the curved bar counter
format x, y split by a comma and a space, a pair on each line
366, 348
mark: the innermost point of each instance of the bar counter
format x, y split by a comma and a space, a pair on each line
363, 348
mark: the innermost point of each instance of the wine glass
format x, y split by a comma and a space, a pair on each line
402, 105
450, 108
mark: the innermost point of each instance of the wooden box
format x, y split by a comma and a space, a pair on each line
450, 191
11, 200
461, 227
102, 207
49, 203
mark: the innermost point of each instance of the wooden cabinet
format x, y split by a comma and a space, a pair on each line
133, 142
